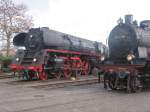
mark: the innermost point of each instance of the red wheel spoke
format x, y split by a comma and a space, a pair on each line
86, 68
43, 76
67, 73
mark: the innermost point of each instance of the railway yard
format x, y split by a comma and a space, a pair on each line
46, 70
47, 96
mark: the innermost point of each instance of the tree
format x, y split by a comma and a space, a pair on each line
13, 19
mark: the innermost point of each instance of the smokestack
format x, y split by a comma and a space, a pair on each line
129, 19
19, 39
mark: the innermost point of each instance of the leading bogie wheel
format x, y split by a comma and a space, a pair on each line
136, 85
111, 82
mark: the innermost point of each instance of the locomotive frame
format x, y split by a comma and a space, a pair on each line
124, 76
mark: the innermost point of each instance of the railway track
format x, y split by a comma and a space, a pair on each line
61, 84
5, 75
53, 83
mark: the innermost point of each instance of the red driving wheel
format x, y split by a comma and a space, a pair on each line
67, 73
86, 68
43, 75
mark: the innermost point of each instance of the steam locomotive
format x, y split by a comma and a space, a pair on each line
129, 38
50, 54
129, 52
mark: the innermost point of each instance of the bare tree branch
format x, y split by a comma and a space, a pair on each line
13, 19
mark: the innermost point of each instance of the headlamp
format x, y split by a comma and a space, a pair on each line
17, 59
130, 57
102, 58
34, 59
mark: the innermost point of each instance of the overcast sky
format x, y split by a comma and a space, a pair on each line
90, 19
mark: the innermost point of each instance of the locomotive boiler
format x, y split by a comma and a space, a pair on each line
50, 53
43, 38
130, 38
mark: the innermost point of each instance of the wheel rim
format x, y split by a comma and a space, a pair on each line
43, 76
78, 72
59, 75
86, 68
67, 73
26, 76
111, 85
136, 85
111, 82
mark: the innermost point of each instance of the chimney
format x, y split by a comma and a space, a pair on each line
129, 19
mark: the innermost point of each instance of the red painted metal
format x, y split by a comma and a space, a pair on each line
71, 52
36, 69
67, 73
118, 67
15, 67
75, 58
43, 75
85, 67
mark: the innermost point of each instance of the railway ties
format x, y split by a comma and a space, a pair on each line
5, 75
61, 84
53, 83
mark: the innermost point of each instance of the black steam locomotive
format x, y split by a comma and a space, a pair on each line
128, 39
50, 53
128, 65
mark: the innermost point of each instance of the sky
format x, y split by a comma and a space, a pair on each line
89, 19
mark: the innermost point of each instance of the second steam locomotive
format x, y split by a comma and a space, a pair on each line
50, 53
128, 65
129, 38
